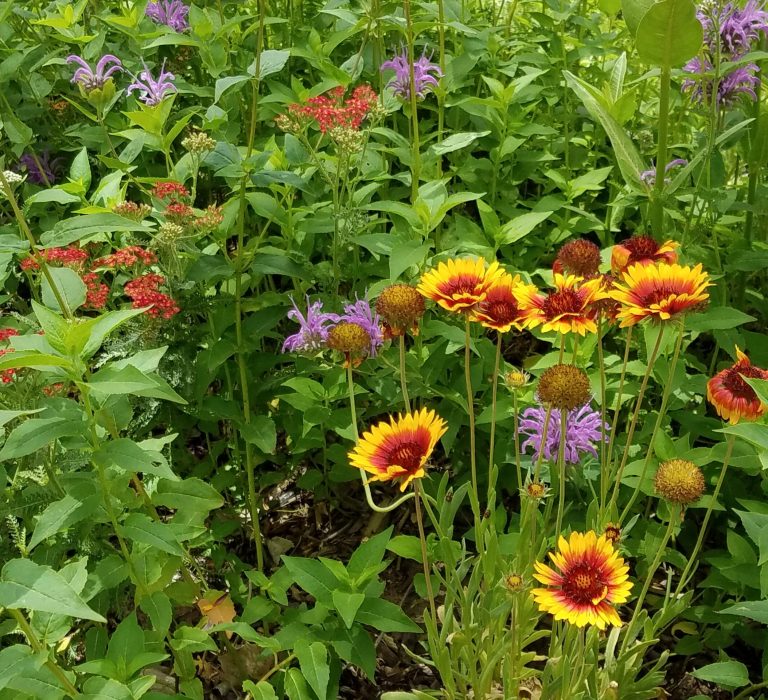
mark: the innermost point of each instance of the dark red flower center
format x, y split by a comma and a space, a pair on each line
584, 584
563, 301
641, 247
733, 380
500, 310
406, 455
463, 284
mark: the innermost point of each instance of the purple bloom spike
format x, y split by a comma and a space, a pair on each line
581, 433
93, 80
153, 92
423, 79
41, 170
172, 13
649, 176
313, 328
363, 315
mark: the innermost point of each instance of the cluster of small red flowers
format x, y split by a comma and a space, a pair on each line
7, 375
54, 389
178, 212
96, 293
210, 219
144, 292
171, 189
332, 111
71, 256
132, 210
6, 333
127, 257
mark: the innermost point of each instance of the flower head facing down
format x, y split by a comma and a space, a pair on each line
590, 579
398, 449
582, 433
580, 257
642, 250
312, 335
500, 309
565, 309
400, 306
152, 92
361, 313
660, 292
172, 13
460, 283
90, 79
731, 396
425, 75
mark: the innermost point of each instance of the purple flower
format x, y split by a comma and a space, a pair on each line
90, 79
735, 28
313, 328
153, 92
649, 176
423, 80
41, 170
731, 88
172, 13
581, 433
363, 315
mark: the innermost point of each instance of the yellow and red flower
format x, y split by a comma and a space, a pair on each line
566, 309
500, 310
460, 283
398, 449
731, 396
661, 292
592, 578
642, 250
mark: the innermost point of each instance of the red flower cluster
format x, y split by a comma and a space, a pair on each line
71, 256
132, 210
171, 189
6, 333
178, 212
97, 292
127, 257
144, 292
210, 219
331, 110
7, 375
54, 389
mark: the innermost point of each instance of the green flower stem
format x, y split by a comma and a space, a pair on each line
659, 418
560, 468
474, 493
657, 198
403, 381
39, 648
649, 576
424, 558
540, 457
24, 227
688, 571
415, 146
494, 392
440, 92
633, 421
603, 451
366, 487
516, 439
619, 396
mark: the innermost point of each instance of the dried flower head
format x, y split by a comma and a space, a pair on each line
564, 387
679, 481
580, 257
400, 307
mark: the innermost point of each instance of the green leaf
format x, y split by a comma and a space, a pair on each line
669, 33
60, 515
270, 61
457, 141
17, 660
105, 689
347, 605
369, 553
406, 546
35, 433
717, 318
101, 327
260, 691
126, 642
261, 432
754, 433
404, 255
188, 495
81, 169
24, 584
385, 616
141, 528
79, 227
313, 577
125, 454
730, 673
32, 358
55, 326
295, 685
130, 380
7, 416
753, 609
223, 84
313, 661
633, 11
760, 386
69, 285
520, 227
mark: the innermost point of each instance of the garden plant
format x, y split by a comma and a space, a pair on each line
383, 349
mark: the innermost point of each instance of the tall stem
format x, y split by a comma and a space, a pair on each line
619, 394
657, 200
474, 493
424, 558
403, 382
516, 438
415, 146
561, 469
494, 391
703, 530
603, 451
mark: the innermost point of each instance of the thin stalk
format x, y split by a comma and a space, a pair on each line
635, 413
39, 648
703, 530
424, 559
494, 392
561, 469
659, 418
415, 146
516, 438
620, 394
474, 493
657, 200
441, 60
603, 451
403, 382
366, 487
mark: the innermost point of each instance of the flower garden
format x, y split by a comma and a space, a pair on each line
383, 349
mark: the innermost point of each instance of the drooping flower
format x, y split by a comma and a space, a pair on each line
500, 309
660, 292
400, 307
580, 257
642, 250
398, 449
90, 79
590, 580
582, 433
731, 396
565, 309
41, 169
361, 313
603, 304
460, 283
152, 92
679, 481
313, 328
649, 176
425, 75
172, 13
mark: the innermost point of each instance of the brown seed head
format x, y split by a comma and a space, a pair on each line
401, 306
679, 481
580, 257
564, 387
349, 338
